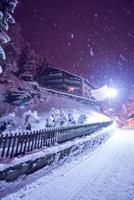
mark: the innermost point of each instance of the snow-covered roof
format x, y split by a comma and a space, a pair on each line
63, 70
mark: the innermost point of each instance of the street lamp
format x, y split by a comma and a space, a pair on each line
111, 93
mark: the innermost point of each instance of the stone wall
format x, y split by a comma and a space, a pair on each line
53, 159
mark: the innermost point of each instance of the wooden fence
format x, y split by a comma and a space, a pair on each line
12, 145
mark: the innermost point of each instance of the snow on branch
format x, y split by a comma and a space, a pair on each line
7, 7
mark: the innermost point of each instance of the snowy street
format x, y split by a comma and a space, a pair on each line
104, 174
66, 100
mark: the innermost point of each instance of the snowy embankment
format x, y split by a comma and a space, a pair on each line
68, 105
53, 157
11, 169
61, 103
105, 174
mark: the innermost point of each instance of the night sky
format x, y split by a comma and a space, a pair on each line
93, 38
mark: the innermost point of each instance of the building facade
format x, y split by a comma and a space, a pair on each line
64, 81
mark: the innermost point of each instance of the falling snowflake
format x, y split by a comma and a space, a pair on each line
128, 12
123, 58
131, 35
119, 63
81, 52
91, 52
35, 10
69, 44
96, 16
72, 35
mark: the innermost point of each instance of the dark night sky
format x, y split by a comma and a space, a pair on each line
94, 38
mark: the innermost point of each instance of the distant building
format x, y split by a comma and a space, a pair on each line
64, 81
86, 88
129, 104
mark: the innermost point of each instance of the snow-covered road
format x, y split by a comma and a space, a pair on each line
105, 174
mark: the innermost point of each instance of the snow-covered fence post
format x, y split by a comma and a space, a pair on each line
13, 145
36, 139
25, 143
4, 145
9, 144
32, 140
29, 141
17, 145
44, 137
39, 139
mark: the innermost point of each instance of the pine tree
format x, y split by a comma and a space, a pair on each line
7, 7
13, 50
23, 58
28, 60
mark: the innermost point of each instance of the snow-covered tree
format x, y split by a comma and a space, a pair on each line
71, 119
29, 118
28, 61
63, 118
49, 122
13, 50
57, 118
9, 122
7, 7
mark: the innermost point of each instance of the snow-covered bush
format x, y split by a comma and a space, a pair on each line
55, 114
49, 122
9, 123
35, 117
57, 118
29, 118
63, 118
71, 119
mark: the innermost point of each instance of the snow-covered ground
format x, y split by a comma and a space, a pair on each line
44, 109
63, 102
105, 174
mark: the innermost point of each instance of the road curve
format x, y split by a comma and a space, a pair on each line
105, 174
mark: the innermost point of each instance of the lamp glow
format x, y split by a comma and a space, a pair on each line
112, 92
